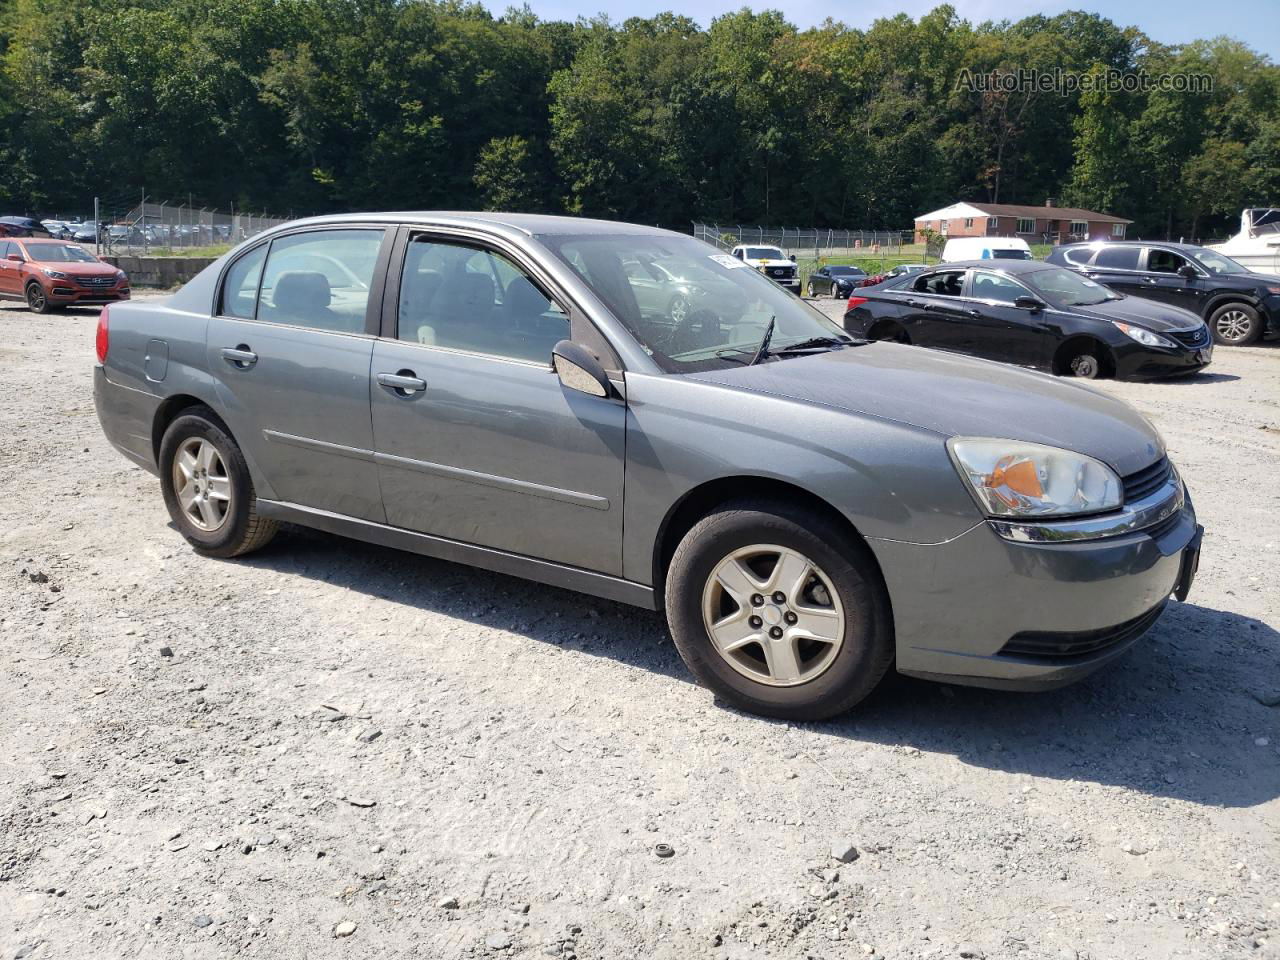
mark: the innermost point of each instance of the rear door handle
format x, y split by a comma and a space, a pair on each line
405, 382
240, 356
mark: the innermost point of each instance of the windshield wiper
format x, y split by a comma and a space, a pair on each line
816, 343
763, 351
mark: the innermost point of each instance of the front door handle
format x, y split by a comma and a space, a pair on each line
405, 383
240, 356
974, 313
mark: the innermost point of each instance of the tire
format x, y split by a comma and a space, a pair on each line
233, 527
810, 291
845, 588
37, 299
1235, 324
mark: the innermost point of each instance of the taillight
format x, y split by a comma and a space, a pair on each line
856, 302
104, 335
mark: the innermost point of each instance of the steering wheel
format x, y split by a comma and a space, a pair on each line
699, 328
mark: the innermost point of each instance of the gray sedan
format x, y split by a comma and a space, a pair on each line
505, 391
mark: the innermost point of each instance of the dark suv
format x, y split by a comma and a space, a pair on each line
1238, 305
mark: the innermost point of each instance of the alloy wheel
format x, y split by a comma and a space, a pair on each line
36, 298
773, 615
201, 483
1233, 325
679, 309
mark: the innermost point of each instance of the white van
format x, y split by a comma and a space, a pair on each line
985, 248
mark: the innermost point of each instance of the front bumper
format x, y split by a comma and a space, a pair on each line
66, 293
1139, 362
961, 606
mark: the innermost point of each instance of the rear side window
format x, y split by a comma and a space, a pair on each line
1079, 255
1119, 258
949, 283
320, 279
240, 288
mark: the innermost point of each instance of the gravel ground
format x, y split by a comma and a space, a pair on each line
331, 749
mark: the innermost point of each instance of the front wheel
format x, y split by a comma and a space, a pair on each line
207, 487
810, 289
1235, 324
37, 299
776, 615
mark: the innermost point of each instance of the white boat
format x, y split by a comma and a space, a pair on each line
1257, 245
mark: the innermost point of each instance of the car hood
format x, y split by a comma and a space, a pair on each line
1160, 317
770, 263
79, 269
958, 396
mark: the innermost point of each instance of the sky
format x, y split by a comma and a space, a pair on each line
1256, 22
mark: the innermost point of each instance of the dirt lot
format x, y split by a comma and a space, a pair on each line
336, 750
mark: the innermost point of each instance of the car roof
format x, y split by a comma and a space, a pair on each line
531, 224
37, 241
1100, 244
999, 263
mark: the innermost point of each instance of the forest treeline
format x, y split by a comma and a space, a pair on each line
320, 105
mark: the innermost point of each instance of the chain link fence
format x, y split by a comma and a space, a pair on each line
812, 243
148, 228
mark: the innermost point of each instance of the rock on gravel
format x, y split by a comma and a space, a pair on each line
344, 929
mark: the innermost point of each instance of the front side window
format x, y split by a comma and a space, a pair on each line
1164, 261
701, 310
997, 288
1119, 258
320, 279
947, 283
240, 288
466, 298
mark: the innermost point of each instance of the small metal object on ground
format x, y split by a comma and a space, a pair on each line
664, 850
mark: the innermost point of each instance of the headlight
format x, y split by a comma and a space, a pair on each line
121, 275
53, 274
1010, 478
1143, 336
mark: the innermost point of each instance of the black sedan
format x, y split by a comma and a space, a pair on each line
1034, 314
1238, 305
834, 281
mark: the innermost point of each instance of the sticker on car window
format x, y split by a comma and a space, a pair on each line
725, 260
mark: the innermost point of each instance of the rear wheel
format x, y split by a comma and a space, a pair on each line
1235, 324
37, 299
775, 614
810, 290
207, 487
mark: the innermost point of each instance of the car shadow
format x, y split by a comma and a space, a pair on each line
1176, 717
1198, 378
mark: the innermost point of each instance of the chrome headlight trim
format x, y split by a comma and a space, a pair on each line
1134, 518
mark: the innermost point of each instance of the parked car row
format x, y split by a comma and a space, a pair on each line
522, 393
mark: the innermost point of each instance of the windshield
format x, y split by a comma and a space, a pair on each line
763, 253
60, 253
1217, 264
1064, 288
700, 310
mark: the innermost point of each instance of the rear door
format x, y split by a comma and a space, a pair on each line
10, 271
476, 438
289, 350
1119, 268
934, 314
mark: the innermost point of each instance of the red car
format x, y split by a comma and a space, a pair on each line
50, 274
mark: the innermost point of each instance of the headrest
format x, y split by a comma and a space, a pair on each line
301, 292
524, 299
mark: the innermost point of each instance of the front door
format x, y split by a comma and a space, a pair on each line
290, 360
476, 439
998, 329
1163, 282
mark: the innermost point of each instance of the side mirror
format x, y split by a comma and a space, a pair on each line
793, 258
16, 258
1188, 271
738, 254
579, 370
1028, 303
